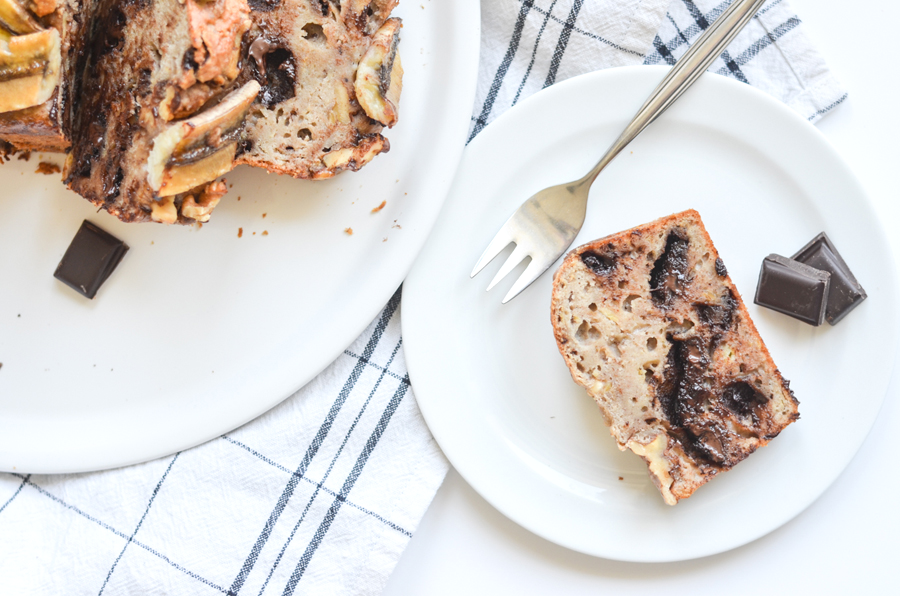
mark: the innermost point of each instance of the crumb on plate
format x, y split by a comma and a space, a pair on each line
46, 167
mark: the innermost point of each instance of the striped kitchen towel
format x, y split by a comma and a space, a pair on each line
321, 494
530, 44
318, 496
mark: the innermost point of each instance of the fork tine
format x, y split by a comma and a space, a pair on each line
531, 273
499, 242
514, 259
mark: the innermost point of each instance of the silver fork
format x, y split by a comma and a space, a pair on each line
547, 223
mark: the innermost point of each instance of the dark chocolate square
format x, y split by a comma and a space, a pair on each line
91, 257
845, 293
794, 289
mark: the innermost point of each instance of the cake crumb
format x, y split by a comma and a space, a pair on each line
25, 156
240, 232
380, 207
239, 197
620, 478
254, 233
264, 215
46, 167
265, 232
348, 231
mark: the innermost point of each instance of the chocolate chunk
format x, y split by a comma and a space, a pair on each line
91, 257
845, 293
741, 398
599, 264
794, 289
277, 76
668, 275
258, 50
721, 271
718, 316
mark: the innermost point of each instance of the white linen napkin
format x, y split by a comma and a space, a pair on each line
321, 494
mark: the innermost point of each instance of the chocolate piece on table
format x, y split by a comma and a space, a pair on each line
91, 257
793, 288
845, 293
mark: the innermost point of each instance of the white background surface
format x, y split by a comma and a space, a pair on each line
844, 543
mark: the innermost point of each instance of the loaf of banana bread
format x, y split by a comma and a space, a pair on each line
155, 99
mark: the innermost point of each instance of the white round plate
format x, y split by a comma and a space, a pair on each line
495, 391
198, 330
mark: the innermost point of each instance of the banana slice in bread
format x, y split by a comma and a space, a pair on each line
650, 324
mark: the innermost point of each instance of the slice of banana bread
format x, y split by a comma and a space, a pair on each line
331, 81
649, 322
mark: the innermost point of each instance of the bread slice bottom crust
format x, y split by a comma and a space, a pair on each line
650, 324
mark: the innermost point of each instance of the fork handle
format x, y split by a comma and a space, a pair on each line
686, 71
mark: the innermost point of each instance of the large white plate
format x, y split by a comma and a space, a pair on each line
199, 331
496, 393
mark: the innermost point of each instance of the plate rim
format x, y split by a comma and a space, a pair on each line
412, 355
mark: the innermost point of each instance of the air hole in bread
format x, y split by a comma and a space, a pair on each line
592, 307
587, 333
680, 328
579, 366
622, 284
304, 134
314, 33
614, 348
651, 343
627, 304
